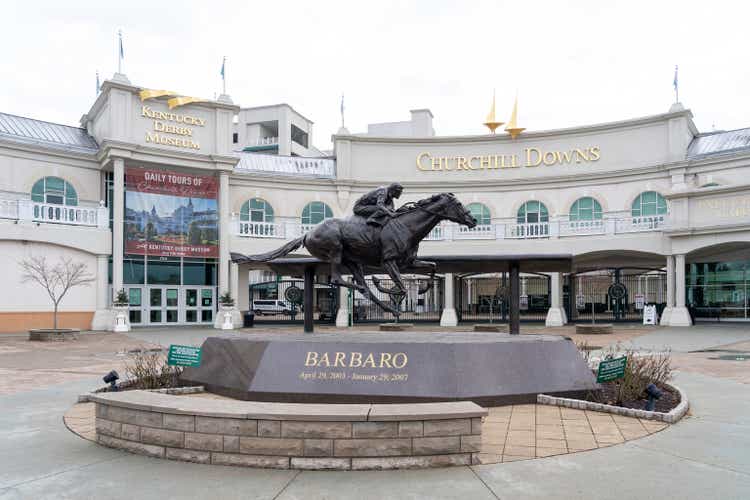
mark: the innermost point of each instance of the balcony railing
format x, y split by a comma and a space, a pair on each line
448, 231
527, 230
74, 215
582, 227
286, 165
638, 224
260, 229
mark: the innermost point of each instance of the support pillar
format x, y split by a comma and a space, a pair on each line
449, 317
309, 298
514, 328
342, 316
118, 230
680, 315
102, 319
667, 312
223, 232
556, 314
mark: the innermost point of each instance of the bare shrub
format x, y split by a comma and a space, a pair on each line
584, 349
641, 370
149, 370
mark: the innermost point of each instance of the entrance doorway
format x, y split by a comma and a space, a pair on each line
171, 305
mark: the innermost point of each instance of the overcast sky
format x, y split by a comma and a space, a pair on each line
572, 63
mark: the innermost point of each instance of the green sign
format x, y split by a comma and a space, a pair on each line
184, 355
611, 369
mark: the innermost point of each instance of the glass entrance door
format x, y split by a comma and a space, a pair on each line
199, 304
163, 305
136, 305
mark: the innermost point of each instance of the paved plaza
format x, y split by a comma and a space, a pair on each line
703, 456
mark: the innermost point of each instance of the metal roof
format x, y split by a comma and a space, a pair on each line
719, 143
28, 130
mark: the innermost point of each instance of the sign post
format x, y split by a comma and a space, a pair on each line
611, 369
184, 355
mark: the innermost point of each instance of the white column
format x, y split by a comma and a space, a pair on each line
555, 315
223, 232
667, 312
234, 288
449, 318
680, 315
342, 316
118, 224
102, 316
243, 290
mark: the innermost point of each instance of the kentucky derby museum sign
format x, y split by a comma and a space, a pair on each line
171, 214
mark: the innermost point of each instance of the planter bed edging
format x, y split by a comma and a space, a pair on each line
670, 418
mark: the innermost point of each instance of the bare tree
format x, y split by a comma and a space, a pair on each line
57, 279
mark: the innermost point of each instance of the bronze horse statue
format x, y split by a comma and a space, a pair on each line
352, 243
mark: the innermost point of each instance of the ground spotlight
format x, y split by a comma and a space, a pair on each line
653, 393
111, 379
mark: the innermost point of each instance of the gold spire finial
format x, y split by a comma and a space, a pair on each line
513, 129
490, 122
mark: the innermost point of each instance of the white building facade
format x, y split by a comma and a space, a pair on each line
153, 192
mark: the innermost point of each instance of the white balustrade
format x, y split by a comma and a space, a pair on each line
643, 223
437, 234
527, 230
478, 232
285, 165
8, 209
260, 229
582, 227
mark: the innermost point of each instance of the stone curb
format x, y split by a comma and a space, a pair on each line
174, 391
670, 418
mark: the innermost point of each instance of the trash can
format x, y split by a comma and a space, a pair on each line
248, 319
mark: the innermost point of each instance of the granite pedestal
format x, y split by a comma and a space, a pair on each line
487, 368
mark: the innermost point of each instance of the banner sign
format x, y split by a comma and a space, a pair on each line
184, 355
171, 214
611, 369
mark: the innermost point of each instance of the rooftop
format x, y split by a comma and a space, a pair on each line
721, 142
29, 130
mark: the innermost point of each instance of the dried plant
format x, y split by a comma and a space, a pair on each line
642, 369
584, 350
56, 280
148, 369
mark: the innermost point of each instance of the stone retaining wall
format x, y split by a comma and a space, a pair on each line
285, 436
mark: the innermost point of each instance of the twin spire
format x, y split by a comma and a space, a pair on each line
512, 128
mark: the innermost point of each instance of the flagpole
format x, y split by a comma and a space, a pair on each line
119, 51
224, 77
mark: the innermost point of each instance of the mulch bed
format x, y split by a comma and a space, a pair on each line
608, 395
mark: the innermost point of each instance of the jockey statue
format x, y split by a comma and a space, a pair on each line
377, 205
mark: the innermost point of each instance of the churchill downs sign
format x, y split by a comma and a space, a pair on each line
531, 157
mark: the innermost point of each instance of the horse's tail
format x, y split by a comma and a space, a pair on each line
273, 254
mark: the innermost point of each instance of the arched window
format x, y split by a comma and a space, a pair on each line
256, 210
480, 212
315, 212
585, 208
54, 190
532, 212
648, 203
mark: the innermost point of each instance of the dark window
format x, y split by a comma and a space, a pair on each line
235, 138
299, 136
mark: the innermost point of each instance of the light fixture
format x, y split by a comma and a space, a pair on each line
111, 378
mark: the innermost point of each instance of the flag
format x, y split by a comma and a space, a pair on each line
223, 64
122, 51
674, 82
342, 104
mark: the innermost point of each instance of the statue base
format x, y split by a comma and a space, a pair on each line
489, 369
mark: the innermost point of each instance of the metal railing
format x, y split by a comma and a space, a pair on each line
285, 165
74, 215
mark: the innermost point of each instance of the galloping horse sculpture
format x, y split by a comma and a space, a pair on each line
352, 243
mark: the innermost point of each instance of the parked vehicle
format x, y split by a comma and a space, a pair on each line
261, 307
